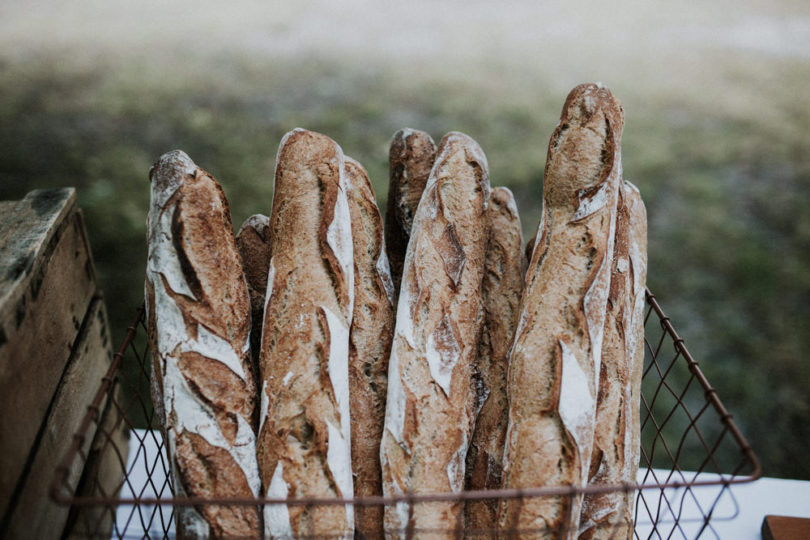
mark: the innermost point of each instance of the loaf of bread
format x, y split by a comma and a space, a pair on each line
616, 438
431, 396
554, 360
253, 242
198, 318
410, 160
304, 447
369, 345
501, 290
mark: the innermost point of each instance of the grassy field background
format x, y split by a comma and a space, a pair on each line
717, 137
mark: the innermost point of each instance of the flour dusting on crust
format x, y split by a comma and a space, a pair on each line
577, 406
277, 516
442, 352
384, 271
339, 233
339, 452
395, 403
455, 468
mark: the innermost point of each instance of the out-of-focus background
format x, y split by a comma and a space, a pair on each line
717, 136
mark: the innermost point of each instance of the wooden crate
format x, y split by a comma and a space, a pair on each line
103, 473
54, 348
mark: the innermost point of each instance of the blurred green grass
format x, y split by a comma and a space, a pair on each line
726, 180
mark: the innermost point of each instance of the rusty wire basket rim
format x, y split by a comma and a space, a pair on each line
93, 413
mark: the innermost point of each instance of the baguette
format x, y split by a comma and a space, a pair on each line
431, 399
369, 345
253, 242
198, 319
554, 359
501, 290
410, 160
616, 438
304, 447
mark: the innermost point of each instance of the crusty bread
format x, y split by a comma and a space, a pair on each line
554, 359
304, 425
501, 290
198, 314
253, 242
369, 345
410, 160
431, 396
616, 438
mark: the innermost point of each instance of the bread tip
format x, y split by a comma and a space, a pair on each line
470, 144
456, 140
287, 136
409, 141
585, 99
402, 134
502, 196
169, 173
305, 145
171, 163
257, 222
350, 161
629, 185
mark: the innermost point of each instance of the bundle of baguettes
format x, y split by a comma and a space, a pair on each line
487, 375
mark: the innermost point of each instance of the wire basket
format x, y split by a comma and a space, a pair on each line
691, 454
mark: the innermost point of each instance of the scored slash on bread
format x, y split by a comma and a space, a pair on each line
501, 290
431, 400
616, 439
554, 360
304, 445
198, 319
369, 345
410, 160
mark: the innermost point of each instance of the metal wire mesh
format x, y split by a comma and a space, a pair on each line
691, 454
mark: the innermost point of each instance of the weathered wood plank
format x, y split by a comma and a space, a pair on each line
46, 284
103, 474
785, 528
32, 514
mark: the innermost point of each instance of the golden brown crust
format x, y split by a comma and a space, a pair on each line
369, 345
303, 447
198, 322
552, 373
207, 469
203, 237
431, 399
616, 438
501, 290
410, 161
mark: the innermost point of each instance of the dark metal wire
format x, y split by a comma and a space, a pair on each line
681, 414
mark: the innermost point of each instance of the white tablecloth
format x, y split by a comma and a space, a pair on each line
738, 514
